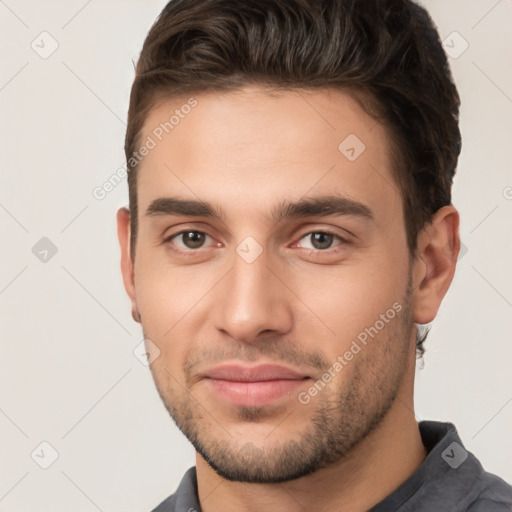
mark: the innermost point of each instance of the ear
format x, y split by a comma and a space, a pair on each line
124, 235
435, 262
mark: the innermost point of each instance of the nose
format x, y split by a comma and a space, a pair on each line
252, 302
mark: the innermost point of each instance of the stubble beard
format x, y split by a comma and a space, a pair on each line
341, 419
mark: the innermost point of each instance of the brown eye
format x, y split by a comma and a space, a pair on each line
319, 241
189, 239
193, 239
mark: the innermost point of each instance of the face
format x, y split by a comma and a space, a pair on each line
272, 273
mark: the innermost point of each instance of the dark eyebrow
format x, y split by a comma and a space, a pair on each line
321, 206
307, 207
187, 207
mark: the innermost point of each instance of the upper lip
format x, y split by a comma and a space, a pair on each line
261, 372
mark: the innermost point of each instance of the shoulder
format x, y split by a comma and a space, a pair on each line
494, 495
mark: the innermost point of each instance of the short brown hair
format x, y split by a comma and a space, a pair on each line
387, 50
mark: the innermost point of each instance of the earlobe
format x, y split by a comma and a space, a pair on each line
434, 266
135, 313
127, 268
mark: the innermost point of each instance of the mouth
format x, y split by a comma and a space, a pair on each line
254, 386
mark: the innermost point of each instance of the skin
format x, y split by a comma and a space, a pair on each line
297, 304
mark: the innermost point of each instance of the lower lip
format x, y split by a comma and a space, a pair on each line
254, 394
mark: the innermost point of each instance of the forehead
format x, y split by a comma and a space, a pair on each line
253, 146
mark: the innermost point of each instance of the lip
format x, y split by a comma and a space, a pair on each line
261, 372
253, 386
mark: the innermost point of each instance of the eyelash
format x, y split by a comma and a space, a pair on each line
193, 252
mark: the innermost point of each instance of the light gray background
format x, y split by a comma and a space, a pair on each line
67, 372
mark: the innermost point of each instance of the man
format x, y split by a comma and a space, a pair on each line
290, 230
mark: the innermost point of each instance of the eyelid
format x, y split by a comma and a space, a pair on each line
187, 226
326, 230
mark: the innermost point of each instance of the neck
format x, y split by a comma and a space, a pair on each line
372, 470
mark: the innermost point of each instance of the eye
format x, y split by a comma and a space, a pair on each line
189, 240
320, 240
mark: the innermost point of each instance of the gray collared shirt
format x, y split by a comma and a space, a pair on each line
450, 479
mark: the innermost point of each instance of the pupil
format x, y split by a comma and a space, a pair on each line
321, 240
193, 239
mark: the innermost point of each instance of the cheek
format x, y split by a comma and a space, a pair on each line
163, 307
166, 292
173, 303
349, 298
